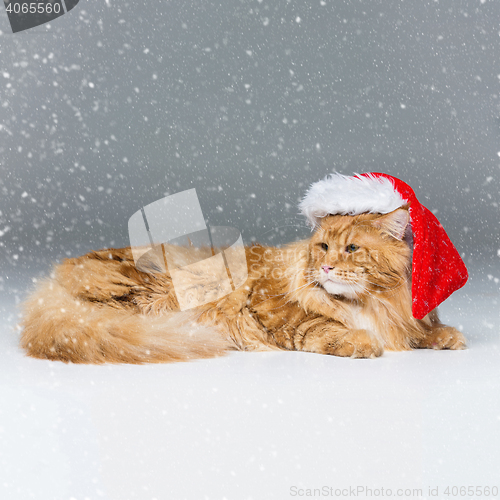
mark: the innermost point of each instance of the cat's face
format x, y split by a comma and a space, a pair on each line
350, 256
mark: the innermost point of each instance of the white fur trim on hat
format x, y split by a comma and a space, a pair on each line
339, 194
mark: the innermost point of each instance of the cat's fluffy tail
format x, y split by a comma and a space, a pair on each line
58, 326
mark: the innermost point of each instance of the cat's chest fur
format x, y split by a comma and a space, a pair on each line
362, 319
282, 317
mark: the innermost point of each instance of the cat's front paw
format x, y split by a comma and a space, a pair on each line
445, 337
359, 344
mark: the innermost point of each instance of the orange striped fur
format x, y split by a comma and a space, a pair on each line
99, 308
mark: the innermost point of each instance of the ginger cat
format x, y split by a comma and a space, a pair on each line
345, 291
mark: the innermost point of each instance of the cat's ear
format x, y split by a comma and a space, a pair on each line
394, 224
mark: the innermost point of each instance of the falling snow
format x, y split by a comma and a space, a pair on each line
116, 105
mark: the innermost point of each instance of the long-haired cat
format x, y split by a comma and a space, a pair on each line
346, 291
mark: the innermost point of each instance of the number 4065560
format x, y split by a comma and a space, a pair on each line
34, 8
471, 491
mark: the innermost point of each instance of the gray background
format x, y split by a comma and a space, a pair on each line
116, 104
250, 106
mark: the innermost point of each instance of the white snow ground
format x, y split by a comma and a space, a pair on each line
257, 426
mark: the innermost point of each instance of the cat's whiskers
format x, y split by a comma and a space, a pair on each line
401, 282
355, 291
289, 301
308, 283
394, 289
284, 294
293, 293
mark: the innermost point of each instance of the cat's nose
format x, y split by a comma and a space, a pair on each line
327, 268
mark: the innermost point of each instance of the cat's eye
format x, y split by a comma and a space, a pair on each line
324, 246
351, 248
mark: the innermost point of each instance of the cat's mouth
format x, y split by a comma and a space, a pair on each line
349, 290
342, 283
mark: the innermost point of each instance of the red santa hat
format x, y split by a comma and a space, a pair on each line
437, 269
